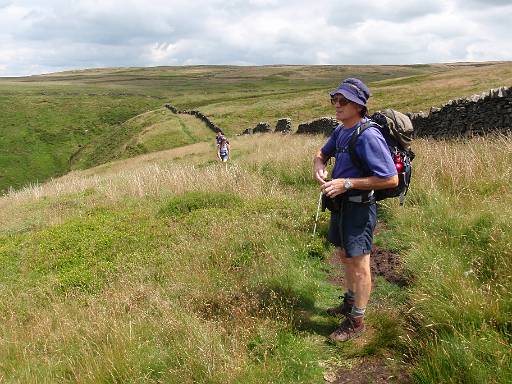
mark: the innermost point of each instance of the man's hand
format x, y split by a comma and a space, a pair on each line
319, 171
334, 187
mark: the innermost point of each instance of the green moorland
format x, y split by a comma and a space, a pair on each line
54, 123
169, 267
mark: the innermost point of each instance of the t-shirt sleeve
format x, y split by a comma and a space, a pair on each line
373, 150
329, 149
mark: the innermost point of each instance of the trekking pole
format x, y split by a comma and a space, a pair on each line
317, 213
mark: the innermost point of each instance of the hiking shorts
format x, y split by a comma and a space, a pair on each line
351, 228
224, 156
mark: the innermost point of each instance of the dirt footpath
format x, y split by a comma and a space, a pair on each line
370, 369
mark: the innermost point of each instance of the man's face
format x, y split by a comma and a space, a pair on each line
345, 109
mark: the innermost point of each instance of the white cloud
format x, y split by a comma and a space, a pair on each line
37, 36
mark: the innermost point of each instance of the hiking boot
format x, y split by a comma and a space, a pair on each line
349, 329
343, 309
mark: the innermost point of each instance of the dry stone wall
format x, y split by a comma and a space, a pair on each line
323, 125
284, 125
488, 112
201, 116
262, 127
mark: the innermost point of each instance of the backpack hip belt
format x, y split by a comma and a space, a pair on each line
366, 197
335, 204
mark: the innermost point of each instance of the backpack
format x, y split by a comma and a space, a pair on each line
397, 130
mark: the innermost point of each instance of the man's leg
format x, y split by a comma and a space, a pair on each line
349, 274
348, 298
362, 279
360, 275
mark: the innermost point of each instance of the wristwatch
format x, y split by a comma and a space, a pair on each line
347, 184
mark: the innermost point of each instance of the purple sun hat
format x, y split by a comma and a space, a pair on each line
354, 90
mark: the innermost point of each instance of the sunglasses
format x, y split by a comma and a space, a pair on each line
341, 100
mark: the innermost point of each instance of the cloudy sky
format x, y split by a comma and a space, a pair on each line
49, 36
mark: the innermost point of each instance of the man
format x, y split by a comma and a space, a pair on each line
351, 226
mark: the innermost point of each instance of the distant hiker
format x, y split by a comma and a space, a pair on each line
349, 196
219, 137
223, 150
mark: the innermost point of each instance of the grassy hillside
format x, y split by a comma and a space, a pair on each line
53, 123
148, 132
169, 267
44, 125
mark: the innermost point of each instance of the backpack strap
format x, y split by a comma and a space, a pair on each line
356, 160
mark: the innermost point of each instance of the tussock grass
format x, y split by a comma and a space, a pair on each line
161, 273
170, 267
456, 237
191, 168
146, 180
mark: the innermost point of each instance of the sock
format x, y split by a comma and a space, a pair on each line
357, 312
350, 295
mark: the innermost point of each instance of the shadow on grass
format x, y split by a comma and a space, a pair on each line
315, 321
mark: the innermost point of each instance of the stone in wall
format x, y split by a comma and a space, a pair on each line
323, 125
262, 127
488, 112
284, 125
172, 108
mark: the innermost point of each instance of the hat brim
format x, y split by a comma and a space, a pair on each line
348, 96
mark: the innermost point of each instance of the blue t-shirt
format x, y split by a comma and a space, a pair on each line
370, 147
